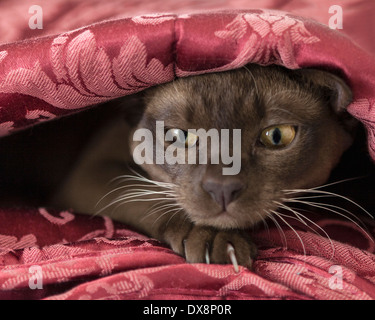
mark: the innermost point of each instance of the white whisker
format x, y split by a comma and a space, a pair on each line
300, 218
264, 221
160, 208
324, 207
295, 232
331, 194
178, 210
162, 215
337, 182
125, 178
137, 192
128, 199
313, 197
280, 230
312, 203
291, 210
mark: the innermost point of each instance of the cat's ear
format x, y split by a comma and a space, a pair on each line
339, 93
335, 91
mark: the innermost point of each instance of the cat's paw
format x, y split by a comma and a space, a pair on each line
200, 244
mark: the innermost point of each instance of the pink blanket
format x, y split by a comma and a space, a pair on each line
61, 70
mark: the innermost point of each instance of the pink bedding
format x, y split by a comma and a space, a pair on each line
62, 69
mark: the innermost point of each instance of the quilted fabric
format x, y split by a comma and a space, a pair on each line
105, 260
80, 257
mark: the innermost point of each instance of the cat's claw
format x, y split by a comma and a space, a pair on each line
232, 256
207, 255
202, 244
208, 245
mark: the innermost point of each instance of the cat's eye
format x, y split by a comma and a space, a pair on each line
278, 136
185, 138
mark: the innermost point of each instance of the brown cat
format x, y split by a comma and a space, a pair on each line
294, 129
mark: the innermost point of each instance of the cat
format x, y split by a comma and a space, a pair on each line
294, 129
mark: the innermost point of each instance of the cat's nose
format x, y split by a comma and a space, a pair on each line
223, 192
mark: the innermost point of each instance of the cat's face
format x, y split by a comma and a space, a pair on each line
291, 138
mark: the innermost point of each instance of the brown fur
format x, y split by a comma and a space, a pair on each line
249, 99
